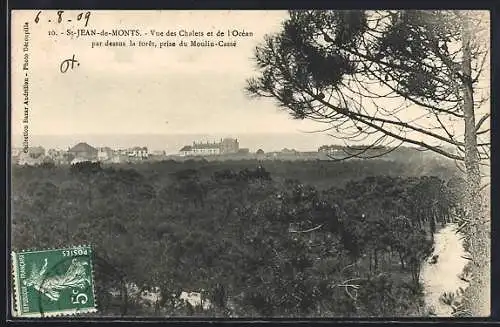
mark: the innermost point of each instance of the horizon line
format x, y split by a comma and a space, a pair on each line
180, 133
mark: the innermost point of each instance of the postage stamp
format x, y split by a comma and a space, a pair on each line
53, 282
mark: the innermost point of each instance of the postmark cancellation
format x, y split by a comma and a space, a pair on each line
55, 282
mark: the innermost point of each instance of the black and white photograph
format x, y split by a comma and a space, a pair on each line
250, 163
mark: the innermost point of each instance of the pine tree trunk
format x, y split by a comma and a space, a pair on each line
370, 260
124, 295
473, 177
432, 225
478, 241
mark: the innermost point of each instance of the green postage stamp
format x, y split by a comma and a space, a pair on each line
53, 282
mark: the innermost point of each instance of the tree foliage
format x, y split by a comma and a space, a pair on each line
340, 68
258, 244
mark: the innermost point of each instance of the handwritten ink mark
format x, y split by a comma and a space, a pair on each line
37, 17
87, 16
68, 63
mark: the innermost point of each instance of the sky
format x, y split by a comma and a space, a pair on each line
144, 90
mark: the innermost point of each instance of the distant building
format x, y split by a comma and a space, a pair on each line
34, 156
119, 158
104, 153
83, 151
58, 156
229, 145
204, 149
244, 151
225, 146
186, 150
26, 160
201, 149
134, 153
138, 152
36, 152
330, 149
121, 152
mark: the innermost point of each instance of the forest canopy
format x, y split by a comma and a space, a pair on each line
257, 242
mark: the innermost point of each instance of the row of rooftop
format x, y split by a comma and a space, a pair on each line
81, 152
85, 152
228, 146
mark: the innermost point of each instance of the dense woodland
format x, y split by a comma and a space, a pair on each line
278, 238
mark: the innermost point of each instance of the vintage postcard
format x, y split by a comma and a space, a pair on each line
250, 164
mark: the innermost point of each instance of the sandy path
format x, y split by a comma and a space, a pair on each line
443, 275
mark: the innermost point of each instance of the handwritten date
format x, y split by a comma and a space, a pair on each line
83, 16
